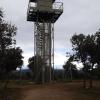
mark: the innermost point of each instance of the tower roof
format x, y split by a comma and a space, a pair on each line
36, 0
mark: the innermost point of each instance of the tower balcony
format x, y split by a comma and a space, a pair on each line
35, 14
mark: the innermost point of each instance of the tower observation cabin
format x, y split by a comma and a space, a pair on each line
44, 13
44, 10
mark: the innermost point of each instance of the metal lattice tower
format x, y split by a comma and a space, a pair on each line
44, 13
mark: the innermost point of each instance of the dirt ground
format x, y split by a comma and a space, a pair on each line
54, 91
61, 91
46, 93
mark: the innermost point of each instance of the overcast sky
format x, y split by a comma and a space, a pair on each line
80, 16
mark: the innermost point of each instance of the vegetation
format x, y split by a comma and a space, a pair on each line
70, 69
66, 83
86, 50
37, 70
10, 56
40, 69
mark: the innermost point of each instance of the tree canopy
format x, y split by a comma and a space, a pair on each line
37, 70
70, 68
87, 50
10, 56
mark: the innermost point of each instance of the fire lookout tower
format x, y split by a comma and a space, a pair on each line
44, 13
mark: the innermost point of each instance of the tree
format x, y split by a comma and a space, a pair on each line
7, 38
92, 48
84, 47
37, 70
87, 50
97, 41
70, 68
13, 59
10, 57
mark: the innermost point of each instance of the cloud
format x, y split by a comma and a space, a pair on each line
80, 16
59, 59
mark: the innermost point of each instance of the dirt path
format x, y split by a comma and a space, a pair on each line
61, 91
56, 91
47, 92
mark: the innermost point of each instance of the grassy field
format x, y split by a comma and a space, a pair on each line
55, 91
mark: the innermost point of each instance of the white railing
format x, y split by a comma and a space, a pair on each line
55, 6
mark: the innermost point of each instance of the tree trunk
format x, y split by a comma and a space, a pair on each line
7, 81
5, 88
91, 83
84, 81
91, 78
20, 75
71, 77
